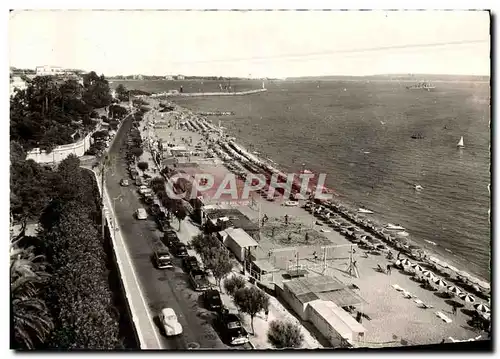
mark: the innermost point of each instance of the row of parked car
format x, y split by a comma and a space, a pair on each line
227, 324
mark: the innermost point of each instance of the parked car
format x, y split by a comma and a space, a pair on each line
141, 214
124, 182
163, 223
170, 239
148, 200
179, 249
162, 256
170, 323
138, 181
199, 280
212, 300
230, 328
155, 209
190, 263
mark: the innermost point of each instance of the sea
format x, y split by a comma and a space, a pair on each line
359, 133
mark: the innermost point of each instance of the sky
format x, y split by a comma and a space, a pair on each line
253, 43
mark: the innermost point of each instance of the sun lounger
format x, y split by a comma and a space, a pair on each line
407, 295
443, 317
422, 304
397, 287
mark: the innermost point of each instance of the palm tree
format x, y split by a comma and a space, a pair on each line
31, 320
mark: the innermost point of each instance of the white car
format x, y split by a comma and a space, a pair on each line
141, 214
168, 319
291, 203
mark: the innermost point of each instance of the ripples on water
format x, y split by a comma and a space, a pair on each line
361, 138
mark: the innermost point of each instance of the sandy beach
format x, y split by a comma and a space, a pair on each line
393, 318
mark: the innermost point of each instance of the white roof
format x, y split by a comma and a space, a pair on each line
337, 317
242, 238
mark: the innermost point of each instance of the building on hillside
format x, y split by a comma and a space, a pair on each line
49, 71
180, 77
169, 78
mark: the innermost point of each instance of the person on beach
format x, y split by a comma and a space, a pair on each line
454, 310
388, 269
267, 313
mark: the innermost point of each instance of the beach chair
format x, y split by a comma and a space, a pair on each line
397, 287
422, 304
407, 295
443, 317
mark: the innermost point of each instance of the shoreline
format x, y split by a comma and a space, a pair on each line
442, 263
378, 288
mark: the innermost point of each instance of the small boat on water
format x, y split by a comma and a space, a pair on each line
394, 227
460, 143
417, 136
364, 210
418, 187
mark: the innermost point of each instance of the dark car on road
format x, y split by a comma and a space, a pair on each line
230, 328
163, 223
190, 263
212, 300
199, 280
170, 239
179, 249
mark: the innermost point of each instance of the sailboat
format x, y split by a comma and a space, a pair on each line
460, 143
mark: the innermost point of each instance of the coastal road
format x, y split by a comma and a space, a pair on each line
161, 288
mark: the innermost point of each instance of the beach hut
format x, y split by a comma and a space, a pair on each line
467, 298
417, 268
454, 290
482, 308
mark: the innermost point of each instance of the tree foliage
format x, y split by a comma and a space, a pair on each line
122, 93
214, 255
78, 294
137, 151
251, 300
143, 166
30, 189
52, 112
233, 284
97, 93
31, 321
284, 335
117, 112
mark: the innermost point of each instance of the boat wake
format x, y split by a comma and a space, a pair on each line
431, 242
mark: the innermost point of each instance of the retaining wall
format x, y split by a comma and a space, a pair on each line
60, 152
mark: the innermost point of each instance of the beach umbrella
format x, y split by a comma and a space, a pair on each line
480, 307
417, 268
406, 262
428, 274
441, 283
467, 298
454, 290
